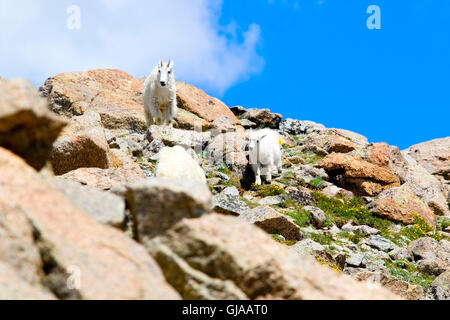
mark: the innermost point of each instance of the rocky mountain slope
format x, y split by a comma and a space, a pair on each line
84, 216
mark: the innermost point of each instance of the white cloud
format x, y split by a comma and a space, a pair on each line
131, 35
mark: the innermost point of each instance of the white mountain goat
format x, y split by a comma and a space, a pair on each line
160, 95
264, 153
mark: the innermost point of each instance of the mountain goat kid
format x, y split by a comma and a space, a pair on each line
160, 95
264, 153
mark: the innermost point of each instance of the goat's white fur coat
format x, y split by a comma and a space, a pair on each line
264, 153
160, 95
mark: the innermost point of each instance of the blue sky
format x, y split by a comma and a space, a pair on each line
306, 59
324, 64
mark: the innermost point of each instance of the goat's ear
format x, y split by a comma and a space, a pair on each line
170, 64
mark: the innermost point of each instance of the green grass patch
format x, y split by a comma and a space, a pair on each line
280, 239
289, 175
301, 217
250, 203
294, 137
420, 229
340, 211
324, 239
354, 236
287, 202
122, 135
309, 157
405, 270
223, 168
234, 179
267, 190
442, 223
317, 183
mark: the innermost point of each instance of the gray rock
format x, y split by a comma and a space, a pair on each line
228, 202
424, 248
228, 148
271, 200
379, 242
158, 203
340, 249
225, 248
102, 206
439, 289
352, 271
231, 191
426, 186
222, 176
188, 281
238, 110
298, 127
307, 246
263, 117
273, 222
247, 124
172, 137
213, 181
301, 195
307, 173
152, 148
319, 217
334, 230
218, 188
115, 142
373, 264
119, 190
431, 257
400, 253
400, 287
395, 228
354, 259
333, 191
223, 124
134, 144
364, 229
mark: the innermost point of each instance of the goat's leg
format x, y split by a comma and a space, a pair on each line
168, 118
172, 107
269, 174
257, 170
279, 166
157, 117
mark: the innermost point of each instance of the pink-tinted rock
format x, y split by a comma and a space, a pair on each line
114, 94
27, 126
98, 261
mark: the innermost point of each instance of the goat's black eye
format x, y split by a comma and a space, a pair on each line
170, 72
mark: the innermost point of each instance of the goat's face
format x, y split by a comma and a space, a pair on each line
252, 144
254, 138
165, 72
252, 141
